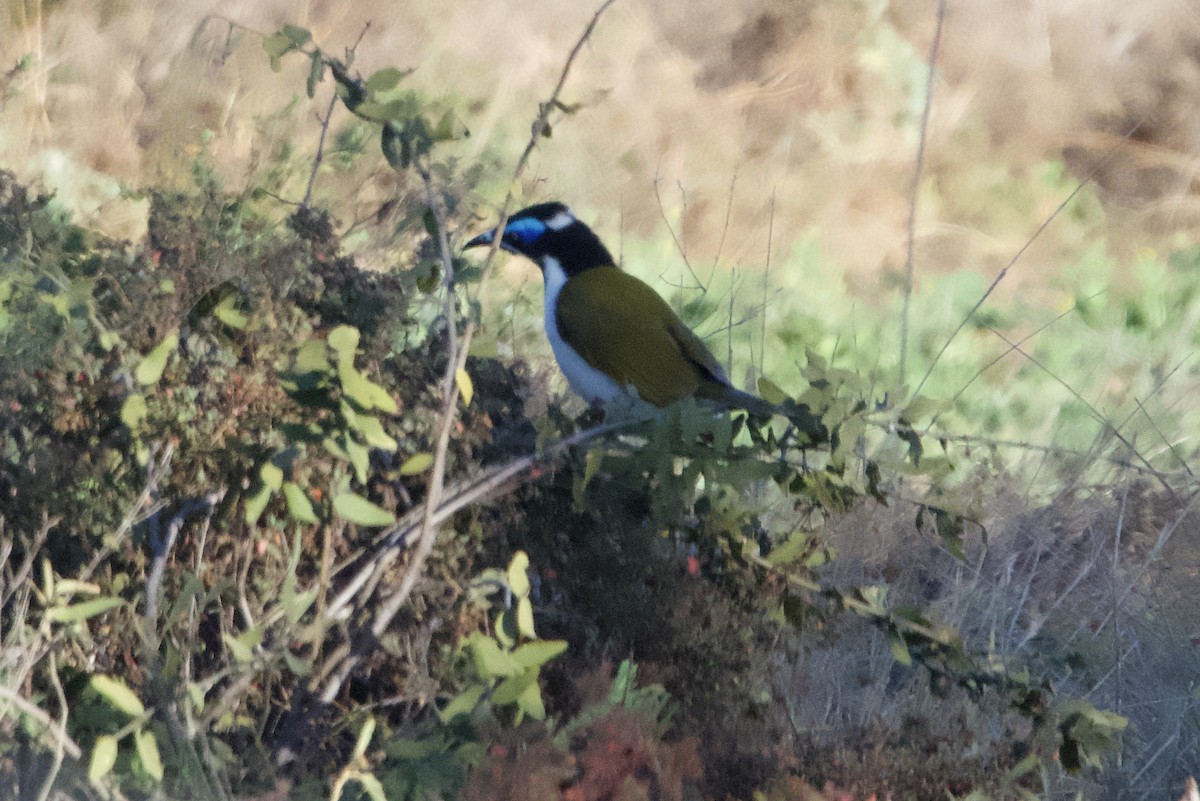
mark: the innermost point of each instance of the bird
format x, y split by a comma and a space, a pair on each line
613, 335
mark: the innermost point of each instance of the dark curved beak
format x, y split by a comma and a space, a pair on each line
483, 239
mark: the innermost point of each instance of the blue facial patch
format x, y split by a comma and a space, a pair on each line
526, 231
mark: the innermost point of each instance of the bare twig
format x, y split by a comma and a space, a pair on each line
679, 246
457, 357
1100, 418
30, 710
1012, 262
426, 533
60, 738
31, 553
480, 488
918, 171
1163, 436
157, 467
162, 549
333, 100
988, 442
762, 345
1010, 349
728, 214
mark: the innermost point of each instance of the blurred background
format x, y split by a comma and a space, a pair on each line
730, 119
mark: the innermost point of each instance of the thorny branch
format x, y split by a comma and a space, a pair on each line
426, 530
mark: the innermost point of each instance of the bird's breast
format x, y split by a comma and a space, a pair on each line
593, 385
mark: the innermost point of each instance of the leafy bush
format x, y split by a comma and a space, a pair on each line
246, 547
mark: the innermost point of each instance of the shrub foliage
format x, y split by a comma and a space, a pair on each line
217, 449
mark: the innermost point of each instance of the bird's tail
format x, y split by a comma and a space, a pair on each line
804, 420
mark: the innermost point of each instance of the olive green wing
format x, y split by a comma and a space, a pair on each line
621, 326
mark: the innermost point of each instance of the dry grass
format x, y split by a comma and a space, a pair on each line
816, 103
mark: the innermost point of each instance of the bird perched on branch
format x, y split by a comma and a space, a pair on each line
613, 336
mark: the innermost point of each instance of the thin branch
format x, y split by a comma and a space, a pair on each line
728, 214
1100, 418
60, 738
1010, 349
662, 211
31, 553
333, 100
489, 484
762, 345
1163, 436
455, 361
156, 468
427, 534
29, 709
909, 260
162, 549
987, 442
1028, 243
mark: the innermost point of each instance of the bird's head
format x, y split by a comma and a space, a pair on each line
550, 231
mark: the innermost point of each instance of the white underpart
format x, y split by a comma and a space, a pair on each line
561, 220
586, 381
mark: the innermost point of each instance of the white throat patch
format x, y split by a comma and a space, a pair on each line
586, 381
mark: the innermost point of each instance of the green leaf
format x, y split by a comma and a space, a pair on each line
311, 357
271, 475
104, 756
525, 618
147, 751
299, 506
276, 45
242, 646
117, 693
316, 71
256, 503
81, 611
151, 368
490, 661
296, 35
624, 683
359, 456
375, 112
449, 128
344, 341
298, 667
506, 628
518, 574
227, 311
360, 511
195, 695
771, 392
531, 703
900, 651
512, 688
386, 79
1026, 765
416, 464
465, 387
921, 408
372, 431
463, 704
536, 654
363, 391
